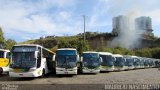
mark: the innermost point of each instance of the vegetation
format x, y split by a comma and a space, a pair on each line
53, 42
6, 44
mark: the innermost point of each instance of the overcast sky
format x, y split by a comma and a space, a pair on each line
30, 19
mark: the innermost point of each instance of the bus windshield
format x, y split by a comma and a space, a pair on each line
107, 60
1, 54
66, 52
91, 59
136, 61
23, 60
119, 61
142, 62
129, 61
66, 61
146, 62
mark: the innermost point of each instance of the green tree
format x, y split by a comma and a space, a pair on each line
47, 42
83, 46
2, 40
9, 44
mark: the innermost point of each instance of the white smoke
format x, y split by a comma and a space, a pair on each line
129, 35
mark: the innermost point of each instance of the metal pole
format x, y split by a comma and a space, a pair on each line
84, 34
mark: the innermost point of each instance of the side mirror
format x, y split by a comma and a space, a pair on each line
81, 59
36, 54
124, 60
78, 58
54, 57
101, 60
114, 59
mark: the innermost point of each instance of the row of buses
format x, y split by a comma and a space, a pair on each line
31, 60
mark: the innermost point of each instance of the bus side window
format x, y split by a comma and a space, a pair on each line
39, 58
8, 55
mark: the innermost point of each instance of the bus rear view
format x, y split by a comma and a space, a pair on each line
66, 61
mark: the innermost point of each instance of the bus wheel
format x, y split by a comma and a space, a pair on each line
1, 70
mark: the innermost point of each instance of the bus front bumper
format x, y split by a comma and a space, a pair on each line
119, 69
66, 71
35, 73
130, 68
107, 69
90, 71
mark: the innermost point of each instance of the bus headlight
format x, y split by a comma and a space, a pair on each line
32, 69
85, 68
10, 69
96, 68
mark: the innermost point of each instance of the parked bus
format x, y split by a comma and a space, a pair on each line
67, 61
119, 63
146, 63
142, 62
151, 63
91, 62
30, 60
107, 63
129, 62
157, 63
4, 61
136, 62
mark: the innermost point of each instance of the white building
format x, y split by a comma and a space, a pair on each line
142, 24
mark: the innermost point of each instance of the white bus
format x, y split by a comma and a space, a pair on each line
119, 64
4, 61
141, 62
136, 62
30, 60
129, 62
91, 62
67, 60
107, 63
146, 63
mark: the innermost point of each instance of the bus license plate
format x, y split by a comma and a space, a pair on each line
66, 72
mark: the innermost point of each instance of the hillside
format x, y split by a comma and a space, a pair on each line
52, 42
150, 46
95, 40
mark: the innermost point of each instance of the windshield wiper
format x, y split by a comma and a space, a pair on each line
64, 62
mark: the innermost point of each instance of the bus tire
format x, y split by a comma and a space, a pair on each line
1, 70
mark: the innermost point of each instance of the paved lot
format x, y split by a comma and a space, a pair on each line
85, 81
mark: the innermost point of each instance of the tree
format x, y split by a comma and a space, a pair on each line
47, 42
80, 45
9, 44
83, 46
1, 37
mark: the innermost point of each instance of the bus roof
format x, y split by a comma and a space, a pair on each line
34, 45
105, 53
28, 45
90, 52
134, 56
127, 56
66, 49
117, 55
